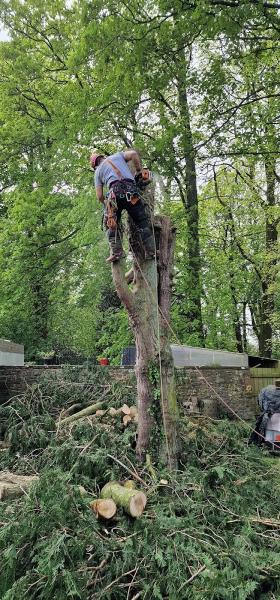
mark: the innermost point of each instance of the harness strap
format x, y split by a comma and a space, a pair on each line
131, 196
115, 169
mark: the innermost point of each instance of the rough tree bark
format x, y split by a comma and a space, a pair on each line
190, 201
146, 293
271, 236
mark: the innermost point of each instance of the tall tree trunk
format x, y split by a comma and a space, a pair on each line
190, 199
267, 301
148, 307
235, 311
244, 326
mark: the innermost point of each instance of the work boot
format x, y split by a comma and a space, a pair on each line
116, 256
116, 248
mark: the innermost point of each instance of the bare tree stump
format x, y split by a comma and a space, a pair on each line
147, 302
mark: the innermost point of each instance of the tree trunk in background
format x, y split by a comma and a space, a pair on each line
154, 362
235, 311
194, 315
267, 300
244, 326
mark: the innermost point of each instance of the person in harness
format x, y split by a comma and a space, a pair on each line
268, 422
114, 173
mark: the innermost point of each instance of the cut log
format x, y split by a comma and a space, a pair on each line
133, 501
125, 409
71, 410
90, 410
13, 486
104, 508
126, 419
130, 484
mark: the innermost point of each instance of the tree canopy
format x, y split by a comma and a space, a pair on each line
194, 86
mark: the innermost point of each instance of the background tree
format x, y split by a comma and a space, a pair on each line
194, 88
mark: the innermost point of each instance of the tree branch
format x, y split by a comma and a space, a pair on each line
125, 294
230, 216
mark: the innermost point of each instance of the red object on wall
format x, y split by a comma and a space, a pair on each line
103, 361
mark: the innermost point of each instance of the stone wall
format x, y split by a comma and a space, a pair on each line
196, 391
194, 394
13, 380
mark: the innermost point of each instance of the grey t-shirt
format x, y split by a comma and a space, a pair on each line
105, 174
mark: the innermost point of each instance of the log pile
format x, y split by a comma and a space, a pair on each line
127, 413
114, 495
131, 500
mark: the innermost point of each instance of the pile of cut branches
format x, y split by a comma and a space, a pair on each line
209, 531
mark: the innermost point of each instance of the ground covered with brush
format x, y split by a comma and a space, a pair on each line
210, 530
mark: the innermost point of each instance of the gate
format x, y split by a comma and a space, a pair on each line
260, 378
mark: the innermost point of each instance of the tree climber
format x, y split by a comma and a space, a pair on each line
114, 173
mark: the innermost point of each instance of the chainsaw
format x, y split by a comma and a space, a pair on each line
143, 178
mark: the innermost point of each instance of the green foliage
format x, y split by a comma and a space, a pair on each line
195, 89
201, 522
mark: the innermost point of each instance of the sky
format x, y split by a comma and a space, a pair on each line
3, 34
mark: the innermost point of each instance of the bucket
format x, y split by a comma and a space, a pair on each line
103, 361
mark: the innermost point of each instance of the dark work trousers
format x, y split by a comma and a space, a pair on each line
138, 215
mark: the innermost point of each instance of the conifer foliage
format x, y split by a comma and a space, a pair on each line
210, 530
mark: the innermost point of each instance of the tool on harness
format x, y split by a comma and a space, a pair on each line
110, 216
132, 197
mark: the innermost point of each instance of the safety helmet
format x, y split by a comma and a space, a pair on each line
94, 157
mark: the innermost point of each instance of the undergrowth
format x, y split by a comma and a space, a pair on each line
210, 532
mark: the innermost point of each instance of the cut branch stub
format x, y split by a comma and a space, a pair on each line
82, 413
